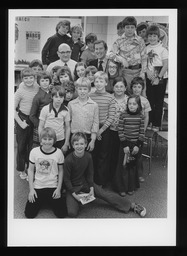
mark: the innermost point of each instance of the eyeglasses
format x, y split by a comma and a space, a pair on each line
68, 52
112, 67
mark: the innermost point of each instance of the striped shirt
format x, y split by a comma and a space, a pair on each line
84, 117
131, 129
23, 98
106, 105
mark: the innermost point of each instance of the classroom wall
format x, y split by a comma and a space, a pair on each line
105, 27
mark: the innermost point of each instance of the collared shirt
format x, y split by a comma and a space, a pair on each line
104, 63
55, 120
130, 49
84, 116
71, 65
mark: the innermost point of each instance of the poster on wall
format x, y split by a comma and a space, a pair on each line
33, 41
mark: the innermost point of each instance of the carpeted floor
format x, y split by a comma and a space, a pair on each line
152, 194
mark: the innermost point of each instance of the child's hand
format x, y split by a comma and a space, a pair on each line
65, 148
77, 197
91, 193
155, 81
24, 124
56, 194
126, 150
99, 137
32, 195
91, 145
135, 150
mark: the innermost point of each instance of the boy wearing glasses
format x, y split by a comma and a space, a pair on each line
49, 51
64, 53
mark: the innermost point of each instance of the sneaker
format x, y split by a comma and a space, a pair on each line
141, 179
130, 193
140, 210
123, 194
23, 175
155, 128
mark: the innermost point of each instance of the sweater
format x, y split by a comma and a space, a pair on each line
78, 171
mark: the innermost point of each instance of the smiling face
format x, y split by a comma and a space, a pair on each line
153, 39
79, 147
80, 71
28, 80
82, 92
119, 88
47, 143
112, 68
64, 53
100, 84
64, 77
137, 89
44, 83
76, 34
100, 51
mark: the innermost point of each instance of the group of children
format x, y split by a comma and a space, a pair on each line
81, 134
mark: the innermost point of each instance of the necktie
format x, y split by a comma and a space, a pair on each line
100, 68
66, 64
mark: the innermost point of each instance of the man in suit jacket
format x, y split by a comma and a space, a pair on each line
100, 48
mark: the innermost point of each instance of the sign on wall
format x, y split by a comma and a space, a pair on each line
33, 41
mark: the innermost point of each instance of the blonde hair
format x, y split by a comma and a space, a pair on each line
83, 82
49, 133
101, 75
77, 27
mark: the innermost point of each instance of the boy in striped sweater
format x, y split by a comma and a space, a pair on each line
24, 127
106, 105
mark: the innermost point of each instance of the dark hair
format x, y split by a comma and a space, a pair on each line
75, 70
44, 75
89, 69
137, 80
49, 133
101, 42
118, 64
130, 20
120, 79
62, 71
77, 136
35, 63
63, 23
120, 25
69, 86
90, 38
141, 26
138, 101
153, 29
58, 90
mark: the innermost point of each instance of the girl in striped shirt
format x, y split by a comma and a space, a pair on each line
131, 135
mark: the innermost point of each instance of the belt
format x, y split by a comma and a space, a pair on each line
137, 66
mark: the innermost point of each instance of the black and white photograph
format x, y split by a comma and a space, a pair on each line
92, 117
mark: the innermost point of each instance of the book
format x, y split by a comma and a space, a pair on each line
86, 198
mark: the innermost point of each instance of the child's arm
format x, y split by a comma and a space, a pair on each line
57, 192
146, 120
94, 130
67, 136
41, 126
21, 123
115, 54
34, 111
32, 192
162, 72
42, 119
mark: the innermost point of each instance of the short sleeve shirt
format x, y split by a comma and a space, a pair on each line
46, 175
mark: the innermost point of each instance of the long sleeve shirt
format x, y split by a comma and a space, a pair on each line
106, 105
40, 100
78, 171
84, 117
131, 129
49, 51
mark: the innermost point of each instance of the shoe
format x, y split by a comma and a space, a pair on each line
141, 179
130, 193
23, 175
122, 194
155, 128
140, 210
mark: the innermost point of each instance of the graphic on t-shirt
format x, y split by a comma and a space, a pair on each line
44, 166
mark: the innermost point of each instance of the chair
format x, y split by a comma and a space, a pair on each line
149, 135
162, 136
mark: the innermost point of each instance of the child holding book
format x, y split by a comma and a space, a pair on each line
78, 178
45, 175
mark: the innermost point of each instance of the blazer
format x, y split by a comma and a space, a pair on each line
95, 63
